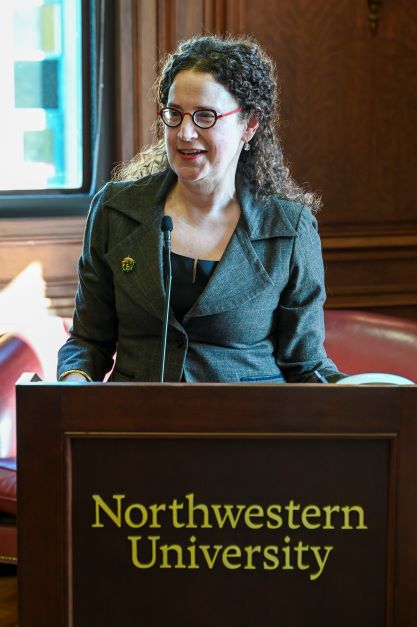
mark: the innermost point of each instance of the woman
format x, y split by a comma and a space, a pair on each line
248, 287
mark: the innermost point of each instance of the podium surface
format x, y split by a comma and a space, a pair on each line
217, 505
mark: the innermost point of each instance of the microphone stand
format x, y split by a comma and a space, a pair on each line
166, 228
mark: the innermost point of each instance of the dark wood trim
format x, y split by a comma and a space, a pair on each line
391, 528
214, 16
126, 133
236, 17
354, 299
166, 26
147, 59
372, 241
55, 244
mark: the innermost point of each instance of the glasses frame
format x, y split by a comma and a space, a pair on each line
217, 116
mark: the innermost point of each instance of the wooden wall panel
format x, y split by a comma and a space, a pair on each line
348, 106
349, 128
136, 57
377, 272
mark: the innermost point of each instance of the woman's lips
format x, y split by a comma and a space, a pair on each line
189, 155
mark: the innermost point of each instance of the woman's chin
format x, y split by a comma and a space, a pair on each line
190, 174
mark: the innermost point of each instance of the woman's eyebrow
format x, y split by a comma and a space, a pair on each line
173, 105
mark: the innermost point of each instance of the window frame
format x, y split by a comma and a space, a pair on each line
97, 105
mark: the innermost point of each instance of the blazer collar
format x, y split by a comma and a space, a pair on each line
266, 218
142, 202
139, 200
263, 219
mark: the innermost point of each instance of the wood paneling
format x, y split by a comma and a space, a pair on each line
8, 601
348, 123
349, 128
136, 56
378, 271
348, 107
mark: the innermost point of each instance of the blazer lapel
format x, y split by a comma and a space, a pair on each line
240, 276
144, 283
143, 205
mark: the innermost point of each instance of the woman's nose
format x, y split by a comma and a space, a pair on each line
187, 129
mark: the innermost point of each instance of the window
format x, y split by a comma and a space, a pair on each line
53, 152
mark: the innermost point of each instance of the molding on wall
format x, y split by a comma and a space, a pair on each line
369, 247
371, 272
375, 231
54, 243
360, 297
370, 241
41, 229
60, 294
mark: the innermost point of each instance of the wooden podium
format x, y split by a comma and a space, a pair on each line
217, 505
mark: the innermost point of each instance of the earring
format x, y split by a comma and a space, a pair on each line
246, 146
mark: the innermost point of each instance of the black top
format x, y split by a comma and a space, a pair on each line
189, 278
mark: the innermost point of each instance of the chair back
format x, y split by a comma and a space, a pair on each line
361, 341
16, 357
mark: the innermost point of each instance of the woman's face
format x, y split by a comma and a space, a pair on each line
199, 155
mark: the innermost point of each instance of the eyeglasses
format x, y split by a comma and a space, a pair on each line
204, 118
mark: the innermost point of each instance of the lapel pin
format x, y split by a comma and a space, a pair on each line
128, 264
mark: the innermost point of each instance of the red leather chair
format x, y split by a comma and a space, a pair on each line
32, 349
360, 341
16, 356
8, 531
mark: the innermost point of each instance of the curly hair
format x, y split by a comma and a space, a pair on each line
248, 73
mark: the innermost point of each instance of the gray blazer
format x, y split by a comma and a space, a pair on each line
260, 317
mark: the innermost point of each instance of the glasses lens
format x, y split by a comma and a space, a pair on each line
204, 119
171, 117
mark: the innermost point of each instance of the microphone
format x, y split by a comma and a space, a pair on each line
166, 228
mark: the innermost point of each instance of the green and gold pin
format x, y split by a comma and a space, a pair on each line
128, 264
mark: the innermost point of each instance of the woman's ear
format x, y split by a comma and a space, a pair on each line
250, 128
